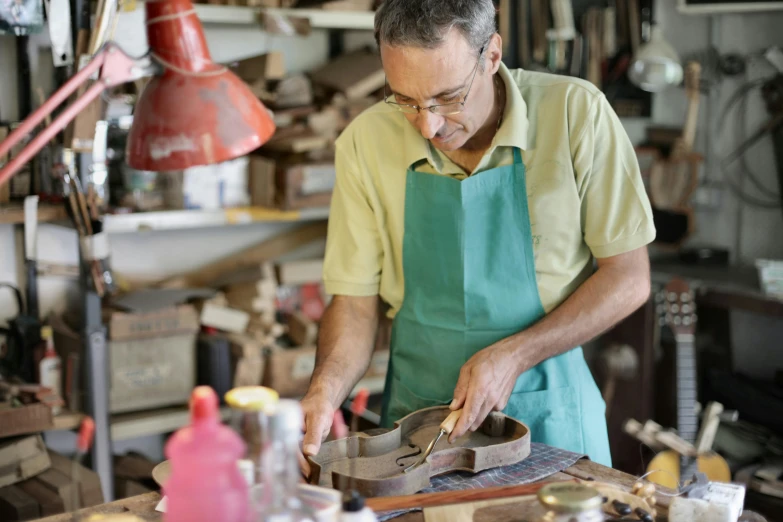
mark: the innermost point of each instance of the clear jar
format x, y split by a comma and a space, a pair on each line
568, 502
280, 495
250, 407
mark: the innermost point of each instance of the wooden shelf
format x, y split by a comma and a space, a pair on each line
13, 214
319, 18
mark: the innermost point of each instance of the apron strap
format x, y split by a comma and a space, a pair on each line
517, 155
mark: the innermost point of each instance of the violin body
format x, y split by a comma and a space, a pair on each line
373, 465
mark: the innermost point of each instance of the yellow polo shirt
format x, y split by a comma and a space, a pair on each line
585, 193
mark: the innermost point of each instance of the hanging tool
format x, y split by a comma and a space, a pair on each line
446, 427
21, 336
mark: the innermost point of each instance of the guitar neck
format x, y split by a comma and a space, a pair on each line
689, 129
687, 420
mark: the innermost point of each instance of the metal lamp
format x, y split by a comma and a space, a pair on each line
192, 112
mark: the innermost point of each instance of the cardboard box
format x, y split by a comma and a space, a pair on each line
305, 185
288, 370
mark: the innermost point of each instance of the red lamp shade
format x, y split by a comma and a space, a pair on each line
196, 112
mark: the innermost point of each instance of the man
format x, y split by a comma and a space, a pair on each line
473, 201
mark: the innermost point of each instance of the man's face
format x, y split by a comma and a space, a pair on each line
425, 77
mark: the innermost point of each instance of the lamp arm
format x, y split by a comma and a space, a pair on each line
116, 68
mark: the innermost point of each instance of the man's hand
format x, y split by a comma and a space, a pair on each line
485, 383
318, 414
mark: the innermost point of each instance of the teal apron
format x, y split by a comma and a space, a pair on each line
470, 281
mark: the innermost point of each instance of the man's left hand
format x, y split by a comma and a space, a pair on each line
485, 383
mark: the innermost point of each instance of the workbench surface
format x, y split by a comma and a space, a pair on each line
144, 505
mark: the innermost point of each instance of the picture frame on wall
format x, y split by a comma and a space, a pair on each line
708, 7
21, 17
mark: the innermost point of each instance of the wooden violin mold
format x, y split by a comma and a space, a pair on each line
378, 461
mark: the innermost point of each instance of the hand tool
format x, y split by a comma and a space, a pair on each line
446, 427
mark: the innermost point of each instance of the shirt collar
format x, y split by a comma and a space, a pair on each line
513, 130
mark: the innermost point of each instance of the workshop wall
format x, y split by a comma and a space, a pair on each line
747, 232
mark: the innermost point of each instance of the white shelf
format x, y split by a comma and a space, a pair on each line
184, 219
127, 426
319, 18
155, 422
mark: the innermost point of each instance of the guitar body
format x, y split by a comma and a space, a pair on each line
666, 468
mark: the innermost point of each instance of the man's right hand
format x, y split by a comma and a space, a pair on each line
318, 414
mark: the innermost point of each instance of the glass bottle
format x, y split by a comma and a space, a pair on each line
281, 467
569, 502
250, 406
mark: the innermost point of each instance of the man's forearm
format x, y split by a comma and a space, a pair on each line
608, 296
345, 342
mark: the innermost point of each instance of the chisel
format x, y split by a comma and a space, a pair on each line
446, 427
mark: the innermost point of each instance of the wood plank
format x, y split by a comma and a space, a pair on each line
142, 505
423, 500
14, 214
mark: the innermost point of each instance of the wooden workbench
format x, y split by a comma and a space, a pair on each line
144, 505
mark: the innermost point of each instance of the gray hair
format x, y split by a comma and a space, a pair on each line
425, 23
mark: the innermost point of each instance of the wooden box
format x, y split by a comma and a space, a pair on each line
31, 418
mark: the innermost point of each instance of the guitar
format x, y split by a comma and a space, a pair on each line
674, 179
695, 454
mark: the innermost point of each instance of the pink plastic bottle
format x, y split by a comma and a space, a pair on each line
205, 484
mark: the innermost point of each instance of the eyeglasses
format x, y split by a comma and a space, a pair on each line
444, 109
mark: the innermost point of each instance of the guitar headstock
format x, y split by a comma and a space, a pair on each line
677, 307
692, 80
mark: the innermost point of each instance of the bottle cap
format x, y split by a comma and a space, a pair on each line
569, 497
46, 332
252, 398
203, 403
285, 419
353, 502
